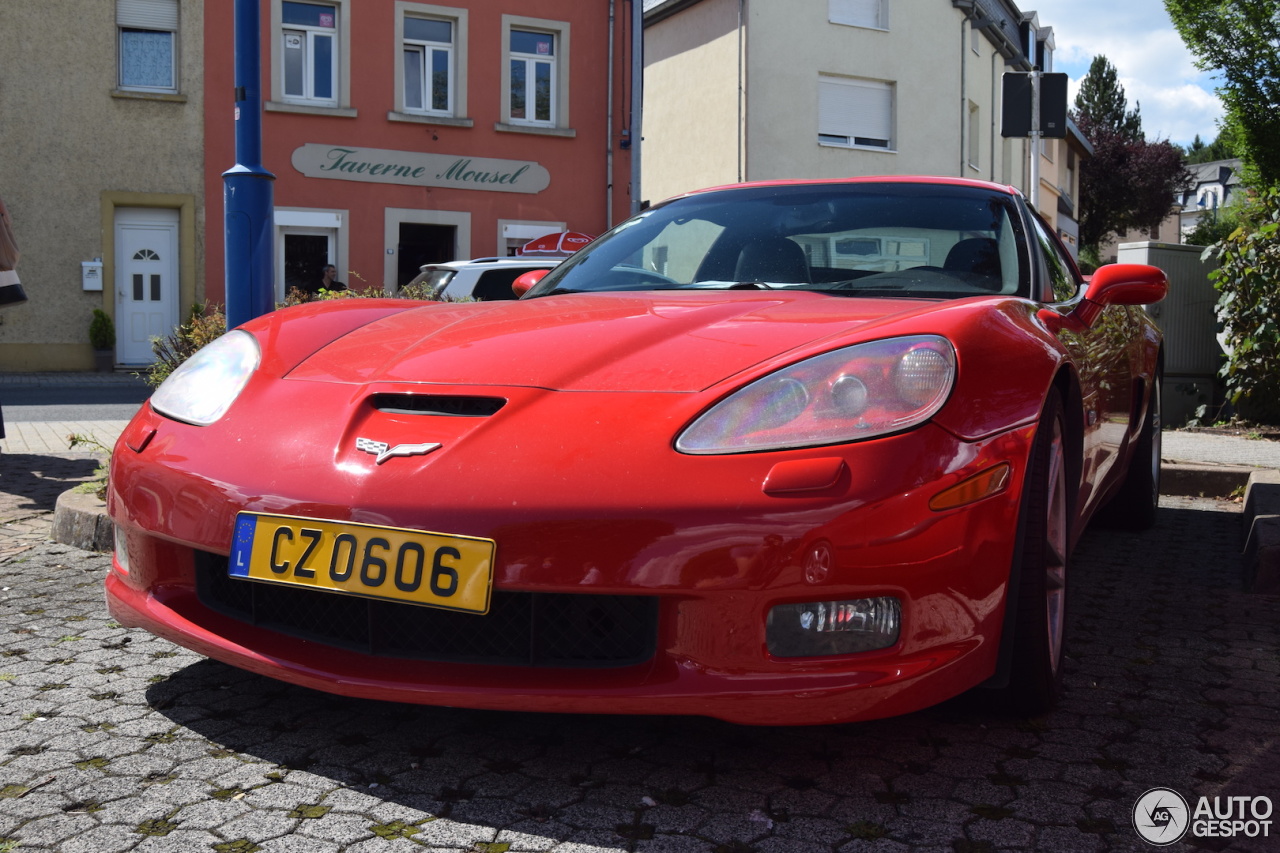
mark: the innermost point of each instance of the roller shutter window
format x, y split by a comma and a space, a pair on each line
855, 113
871, 14
148, 44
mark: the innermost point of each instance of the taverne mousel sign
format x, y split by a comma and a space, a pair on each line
379, 165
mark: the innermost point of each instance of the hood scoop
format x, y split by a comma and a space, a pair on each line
446, 405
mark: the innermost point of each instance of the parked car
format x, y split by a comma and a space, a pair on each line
481, 279
778, 453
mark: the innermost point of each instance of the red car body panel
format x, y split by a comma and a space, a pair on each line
578, 482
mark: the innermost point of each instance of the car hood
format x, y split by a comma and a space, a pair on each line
680, 342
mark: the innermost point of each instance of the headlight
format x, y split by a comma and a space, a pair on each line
204, 386
853, 393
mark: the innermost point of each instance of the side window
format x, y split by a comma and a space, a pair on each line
148, 45
496, 284
429, 64
1061, 279
309, 49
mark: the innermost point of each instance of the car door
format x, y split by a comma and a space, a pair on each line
1102, 359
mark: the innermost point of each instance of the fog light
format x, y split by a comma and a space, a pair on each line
833, 627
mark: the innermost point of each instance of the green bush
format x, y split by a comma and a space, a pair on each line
170, 351
1248, 283
102, 332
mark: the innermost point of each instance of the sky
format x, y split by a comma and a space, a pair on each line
1153, 65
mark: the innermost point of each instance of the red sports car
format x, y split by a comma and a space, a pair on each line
777, 453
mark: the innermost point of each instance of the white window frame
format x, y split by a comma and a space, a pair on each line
151, 16
531, 63
867, 14
458, 71
854, 112
341, 62
427, 51
308, 36
312, 222
559, 61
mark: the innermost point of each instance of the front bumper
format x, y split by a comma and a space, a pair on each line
703, 538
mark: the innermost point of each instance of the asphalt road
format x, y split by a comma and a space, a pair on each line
107, 402
114, 740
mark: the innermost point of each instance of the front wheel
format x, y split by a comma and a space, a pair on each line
1040, 619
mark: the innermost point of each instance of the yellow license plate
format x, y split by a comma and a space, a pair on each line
389, 563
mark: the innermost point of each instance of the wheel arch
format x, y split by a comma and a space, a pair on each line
1066, 385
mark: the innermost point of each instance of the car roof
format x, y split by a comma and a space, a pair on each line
519, 260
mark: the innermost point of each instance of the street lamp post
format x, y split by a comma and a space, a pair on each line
248, 198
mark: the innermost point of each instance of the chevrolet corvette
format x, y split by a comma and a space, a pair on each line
778, 453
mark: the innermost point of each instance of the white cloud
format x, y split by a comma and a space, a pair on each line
1153, 65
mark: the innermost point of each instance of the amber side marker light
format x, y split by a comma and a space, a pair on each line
990, 482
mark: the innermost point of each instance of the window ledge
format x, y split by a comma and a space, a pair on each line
417, 118
536, 130
304, 109
859, 26
874, 148
133, 95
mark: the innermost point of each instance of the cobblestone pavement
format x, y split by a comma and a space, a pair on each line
113, 740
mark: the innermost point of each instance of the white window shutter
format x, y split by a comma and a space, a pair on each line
147, 14
855, 108
856, 13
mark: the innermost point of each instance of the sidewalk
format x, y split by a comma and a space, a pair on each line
51, 436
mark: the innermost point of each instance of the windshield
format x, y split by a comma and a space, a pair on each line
926, 240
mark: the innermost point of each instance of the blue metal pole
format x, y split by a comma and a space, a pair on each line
248, 200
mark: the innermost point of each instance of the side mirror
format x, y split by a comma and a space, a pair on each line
1127, 284
1113, 284
527, 280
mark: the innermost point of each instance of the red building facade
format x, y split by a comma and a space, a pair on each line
402, 133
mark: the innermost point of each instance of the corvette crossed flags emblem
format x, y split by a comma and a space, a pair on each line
385, 451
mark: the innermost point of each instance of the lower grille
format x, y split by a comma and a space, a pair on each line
520, 629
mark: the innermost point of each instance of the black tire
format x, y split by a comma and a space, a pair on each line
1134, 506
1035, 675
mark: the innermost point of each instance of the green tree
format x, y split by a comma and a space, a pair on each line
1239, 41
1102, 99
1128, 182
1219, 149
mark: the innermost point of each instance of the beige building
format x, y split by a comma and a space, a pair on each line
102, 168
761, 89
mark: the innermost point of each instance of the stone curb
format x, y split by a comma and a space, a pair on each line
80, 520
1262, 539
1202, 479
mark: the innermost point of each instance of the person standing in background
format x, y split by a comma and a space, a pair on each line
11, 292
329, 279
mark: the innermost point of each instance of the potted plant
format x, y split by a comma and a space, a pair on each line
102, 337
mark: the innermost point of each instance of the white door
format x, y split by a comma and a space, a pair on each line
146, 280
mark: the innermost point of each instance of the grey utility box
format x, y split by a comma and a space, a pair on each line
1192, 354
